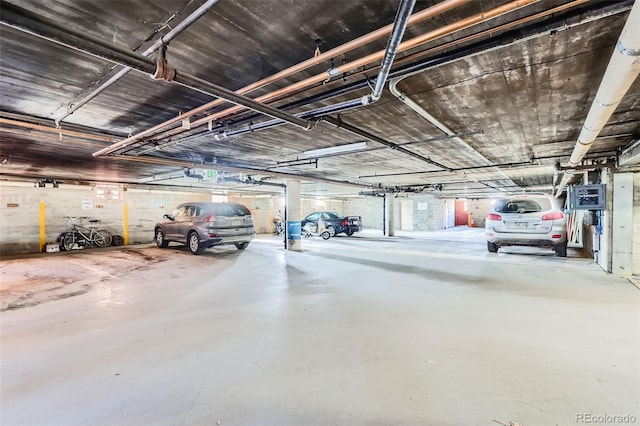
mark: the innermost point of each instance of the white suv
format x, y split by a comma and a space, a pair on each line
527, 220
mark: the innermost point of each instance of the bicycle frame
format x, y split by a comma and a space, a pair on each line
81, 235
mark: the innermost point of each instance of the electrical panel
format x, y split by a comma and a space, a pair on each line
587, 197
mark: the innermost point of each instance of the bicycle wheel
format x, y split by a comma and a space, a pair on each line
102, 238
68, 241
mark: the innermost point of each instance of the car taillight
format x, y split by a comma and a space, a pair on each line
493, 216
345, 222
556, 236
211, 218
553, 216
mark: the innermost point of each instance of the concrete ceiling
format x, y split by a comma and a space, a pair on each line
514, 92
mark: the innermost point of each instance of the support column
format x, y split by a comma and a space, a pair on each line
293, 216
605, 256
384, 214
622, 224
392, 215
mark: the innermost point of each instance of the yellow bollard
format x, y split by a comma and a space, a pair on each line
125, 224
43, 225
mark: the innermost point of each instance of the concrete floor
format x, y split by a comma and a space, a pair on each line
423, 330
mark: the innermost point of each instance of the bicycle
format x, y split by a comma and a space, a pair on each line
81, 235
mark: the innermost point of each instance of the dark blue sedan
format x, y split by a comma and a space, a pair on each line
334, 223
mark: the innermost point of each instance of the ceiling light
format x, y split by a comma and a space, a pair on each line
335, 149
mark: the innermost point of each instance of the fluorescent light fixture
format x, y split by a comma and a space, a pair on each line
335, 149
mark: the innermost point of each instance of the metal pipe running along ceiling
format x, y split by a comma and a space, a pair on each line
26, 21
165, 39
557, 23
319, 78
337, 51
621, 72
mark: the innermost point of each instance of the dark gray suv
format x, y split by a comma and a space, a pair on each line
201, 225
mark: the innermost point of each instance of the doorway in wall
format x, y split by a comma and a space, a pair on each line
462, 212
406, 215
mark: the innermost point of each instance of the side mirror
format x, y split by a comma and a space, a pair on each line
167, 216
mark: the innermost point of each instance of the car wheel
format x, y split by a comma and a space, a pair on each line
194, 243
349, 232
561, 250
326, 235
492, 247
160, 241
241, 246
331, 230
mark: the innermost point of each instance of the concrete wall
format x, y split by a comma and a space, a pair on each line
479, 210
263, 209
20, 212
140, 208
622, 224
428, 213
605, 255
146, 206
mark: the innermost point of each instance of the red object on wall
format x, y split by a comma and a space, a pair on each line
462, 213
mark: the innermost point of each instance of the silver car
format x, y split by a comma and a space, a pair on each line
527, 220
201, 225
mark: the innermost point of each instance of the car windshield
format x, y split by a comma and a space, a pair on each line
522, 205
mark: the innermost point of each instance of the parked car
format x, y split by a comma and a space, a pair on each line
527, 220
201, 225
334, 222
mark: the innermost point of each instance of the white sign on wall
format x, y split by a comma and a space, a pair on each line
87, 203
423, 206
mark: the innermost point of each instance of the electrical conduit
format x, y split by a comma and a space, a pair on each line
621, 72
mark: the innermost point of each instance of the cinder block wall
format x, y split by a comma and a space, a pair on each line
146, 206
428, 213
264, 207
369, 208
479, 210
20, 212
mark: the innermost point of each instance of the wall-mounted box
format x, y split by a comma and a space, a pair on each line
587, 197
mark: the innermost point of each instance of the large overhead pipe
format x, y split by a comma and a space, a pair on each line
245, 170
359, 132
164, 40
360, 41
23, 20
404, 98
305, 84
400, 25
557, 23
404, 46
621, 72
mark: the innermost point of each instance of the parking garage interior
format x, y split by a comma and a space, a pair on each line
416, 116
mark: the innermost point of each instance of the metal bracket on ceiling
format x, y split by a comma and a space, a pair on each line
163, 70
317, 52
